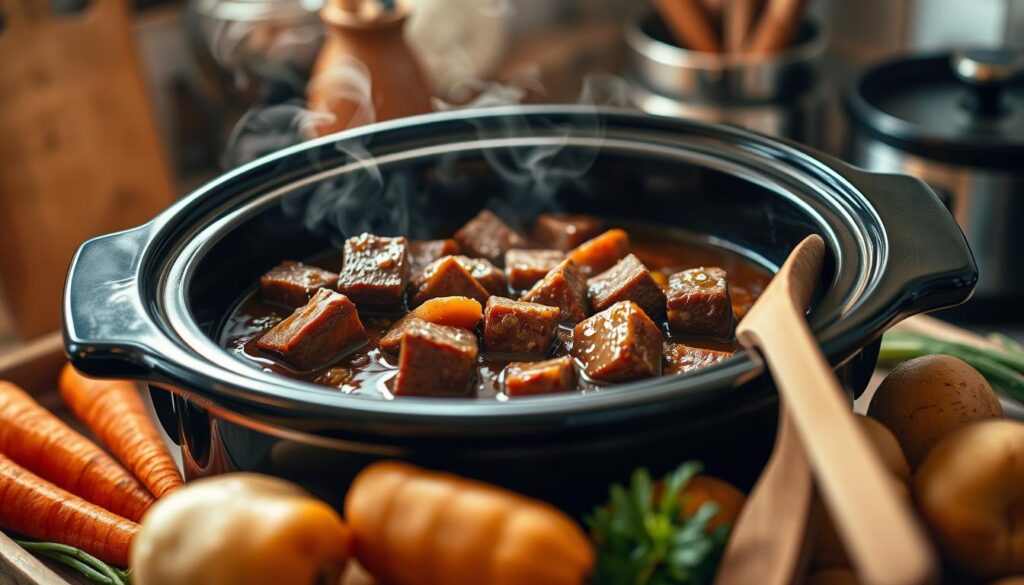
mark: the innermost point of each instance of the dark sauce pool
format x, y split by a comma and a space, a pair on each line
369, 371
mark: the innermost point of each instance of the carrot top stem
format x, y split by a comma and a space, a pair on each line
86, 564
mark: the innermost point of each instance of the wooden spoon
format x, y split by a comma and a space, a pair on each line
738, 21
774, 31
689, 24
885, 542
769, 543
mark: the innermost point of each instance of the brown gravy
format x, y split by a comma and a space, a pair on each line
368, 371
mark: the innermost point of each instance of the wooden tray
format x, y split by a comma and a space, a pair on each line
36, 368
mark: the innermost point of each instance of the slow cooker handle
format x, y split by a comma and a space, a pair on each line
929, 264
107, 330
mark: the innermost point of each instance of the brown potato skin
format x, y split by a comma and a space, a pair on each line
927, 398
970, 491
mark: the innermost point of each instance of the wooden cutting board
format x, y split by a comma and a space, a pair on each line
80, 153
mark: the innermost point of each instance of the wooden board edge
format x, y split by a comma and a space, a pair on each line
21, 567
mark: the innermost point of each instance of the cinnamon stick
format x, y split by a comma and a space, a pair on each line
689, 24
775, 30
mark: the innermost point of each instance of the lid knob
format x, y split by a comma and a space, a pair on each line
987, 71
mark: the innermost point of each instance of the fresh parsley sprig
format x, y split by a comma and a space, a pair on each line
641, 537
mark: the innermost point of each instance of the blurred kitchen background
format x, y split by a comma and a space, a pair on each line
108, 112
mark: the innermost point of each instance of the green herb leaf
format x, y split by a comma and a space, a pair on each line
642, 538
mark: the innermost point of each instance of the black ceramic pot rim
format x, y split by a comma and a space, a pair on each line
157, 340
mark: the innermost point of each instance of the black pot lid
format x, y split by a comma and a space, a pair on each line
965, 107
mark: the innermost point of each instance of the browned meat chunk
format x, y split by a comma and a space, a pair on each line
563, 231
681, 358
547, 377
423, 252
601, 253
374, 272
699, 304
525, 267
488, 275
629, 280
392, 338
445, 278
323, 330
435, 360
486, 236
293, 283
564, 287
460, 312
518, 327
618, 344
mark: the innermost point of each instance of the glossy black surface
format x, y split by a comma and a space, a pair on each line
919, 105
148, 302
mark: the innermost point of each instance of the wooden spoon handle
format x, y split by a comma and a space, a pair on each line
886, 544
689, 25
769, 542
778, 23
738, 22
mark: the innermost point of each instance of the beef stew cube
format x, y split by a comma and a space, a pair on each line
486, 236
681, 358
619, 344
488, 275
525, 267
699, 303
321, 331
629, 280
292, 284
546, 377
601, 253
564, 231
445, 278
563, 287
374, 272
392, 338
518, 327
423, 252
435, 360
461, 312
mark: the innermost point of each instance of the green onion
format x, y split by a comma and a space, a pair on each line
89, 566
1003, 368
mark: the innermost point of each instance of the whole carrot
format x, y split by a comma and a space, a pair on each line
39, 441
114, 412
418, 527
36, 508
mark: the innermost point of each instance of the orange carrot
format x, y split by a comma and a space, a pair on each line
114, 412
36, 508
39, 441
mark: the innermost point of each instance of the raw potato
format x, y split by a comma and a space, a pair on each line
970, 490
927, 398
888, 448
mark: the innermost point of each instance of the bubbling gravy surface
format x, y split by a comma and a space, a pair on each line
369, 371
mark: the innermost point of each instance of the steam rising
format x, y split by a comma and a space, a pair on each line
396, 202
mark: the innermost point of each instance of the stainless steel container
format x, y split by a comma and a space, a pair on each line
782, 95
956, 121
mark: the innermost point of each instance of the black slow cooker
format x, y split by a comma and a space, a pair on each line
148, 303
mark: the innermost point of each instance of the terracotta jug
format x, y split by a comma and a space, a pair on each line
365, 72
